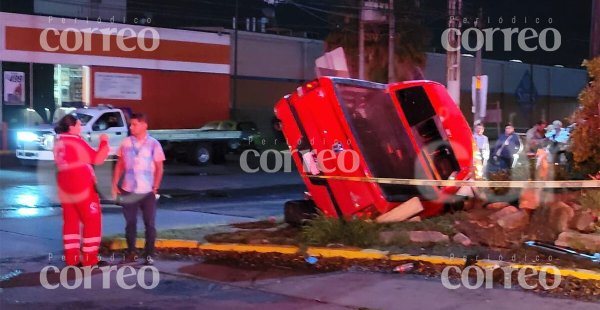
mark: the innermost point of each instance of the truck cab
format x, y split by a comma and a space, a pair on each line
36, 143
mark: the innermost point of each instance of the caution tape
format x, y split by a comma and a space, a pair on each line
470, 183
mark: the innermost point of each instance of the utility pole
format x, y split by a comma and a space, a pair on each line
391, 44
595, 29
361, 43
233, 111
453, 56
477, 112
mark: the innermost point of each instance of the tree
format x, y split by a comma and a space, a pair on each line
585, 144
411, 40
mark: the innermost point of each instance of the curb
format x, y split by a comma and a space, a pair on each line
120, 244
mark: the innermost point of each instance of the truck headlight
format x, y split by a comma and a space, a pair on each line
27, 136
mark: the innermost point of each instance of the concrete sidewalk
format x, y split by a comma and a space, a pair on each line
336, 290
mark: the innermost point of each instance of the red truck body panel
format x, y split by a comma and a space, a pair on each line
407, 130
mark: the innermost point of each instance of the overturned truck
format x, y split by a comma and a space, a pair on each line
347, 135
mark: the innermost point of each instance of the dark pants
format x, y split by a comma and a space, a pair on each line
130, 203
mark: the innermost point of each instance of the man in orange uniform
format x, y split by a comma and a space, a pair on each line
77, 191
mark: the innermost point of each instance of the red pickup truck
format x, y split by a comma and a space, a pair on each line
343, 131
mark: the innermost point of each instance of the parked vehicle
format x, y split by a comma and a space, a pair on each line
200, 146
407, 130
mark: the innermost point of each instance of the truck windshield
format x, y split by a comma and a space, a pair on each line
382, 138
84, 118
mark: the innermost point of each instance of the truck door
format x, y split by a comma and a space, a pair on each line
112, 124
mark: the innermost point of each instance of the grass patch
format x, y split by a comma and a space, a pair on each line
443, 223
354, 232
361, 233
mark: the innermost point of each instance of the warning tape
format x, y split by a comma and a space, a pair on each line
470, 183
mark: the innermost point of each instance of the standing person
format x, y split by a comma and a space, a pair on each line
77, 191
535, 137
141, 165
507, 148
482, 152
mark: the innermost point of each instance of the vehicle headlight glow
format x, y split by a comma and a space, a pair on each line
27, 136
48, 142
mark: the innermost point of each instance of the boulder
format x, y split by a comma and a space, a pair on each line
462, 239
497, 205
502, 213
514, 221
584, 221
388, 237
561, 214
427, 237
579, 241
530, 199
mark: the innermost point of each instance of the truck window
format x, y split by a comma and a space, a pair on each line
382, 138
108, 120
83, 118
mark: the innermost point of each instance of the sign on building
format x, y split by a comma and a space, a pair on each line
117, 86
14, 88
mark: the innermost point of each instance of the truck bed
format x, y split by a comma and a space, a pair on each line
174, 135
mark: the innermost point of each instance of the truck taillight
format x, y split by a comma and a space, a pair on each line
306, 88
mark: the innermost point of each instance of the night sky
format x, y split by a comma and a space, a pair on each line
570, 19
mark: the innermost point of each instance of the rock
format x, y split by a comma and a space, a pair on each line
530, 199
388, 237
497, 205
462, 239
561, 214
584, 221
575, 206
502, 213
579, 241
514, 221
427, 237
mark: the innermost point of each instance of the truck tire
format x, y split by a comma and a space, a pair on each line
201, 154
299, 212
219, 152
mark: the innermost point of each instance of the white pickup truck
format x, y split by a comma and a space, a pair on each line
198, 146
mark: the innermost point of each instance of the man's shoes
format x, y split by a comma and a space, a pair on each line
149, 261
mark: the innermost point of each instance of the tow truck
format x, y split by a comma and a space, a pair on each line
200, 146
407, 130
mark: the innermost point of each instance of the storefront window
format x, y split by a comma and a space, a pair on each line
68, 85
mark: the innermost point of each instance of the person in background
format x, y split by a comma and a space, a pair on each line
559, 138
507, 148
482, 153
141, 165
535, 137
77, 191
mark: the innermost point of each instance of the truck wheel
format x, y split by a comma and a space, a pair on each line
201, 155
219, 152
299, 212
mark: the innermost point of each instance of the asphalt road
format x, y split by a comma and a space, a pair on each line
30, 239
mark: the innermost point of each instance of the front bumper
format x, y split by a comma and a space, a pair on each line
35, 155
